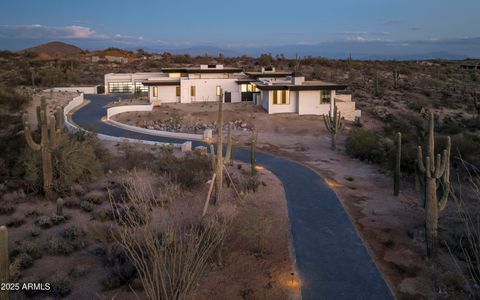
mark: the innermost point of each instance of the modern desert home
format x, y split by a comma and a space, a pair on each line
275, 91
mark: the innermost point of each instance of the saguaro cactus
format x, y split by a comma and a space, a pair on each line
50, 138
219, 164
396, 77
432, 170
334, 124
398, 159
228, 154
4, 261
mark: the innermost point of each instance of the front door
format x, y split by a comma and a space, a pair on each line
247, 96
228, 97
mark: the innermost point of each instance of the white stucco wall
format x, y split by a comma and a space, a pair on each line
309, 104
206, 89
166, 94
280, 108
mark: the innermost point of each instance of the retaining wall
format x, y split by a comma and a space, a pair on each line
75, 89
73, 128
112, 111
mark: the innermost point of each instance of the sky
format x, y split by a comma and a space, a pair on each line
239, 25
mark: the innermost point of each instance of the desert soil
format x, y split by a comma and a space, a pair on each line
244, 272
389, 226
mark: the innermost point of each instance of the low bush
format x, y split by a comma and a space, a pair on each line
187, 171
366, 145
74, 162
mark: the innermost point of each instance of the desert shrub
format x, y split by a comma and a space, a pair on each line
61, 286
58, 246
365, 145
86, 206
187, 171
71, 202
168, 261
467, 147
417, 104
466, 242
253, 225
15, 222
33, 249
7, 209
103, 214
11, 143
248, 183
44, 222
13, 99
74, 162
121, 269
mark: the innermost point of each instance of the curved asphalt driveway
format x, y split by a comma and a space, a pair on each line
331, 258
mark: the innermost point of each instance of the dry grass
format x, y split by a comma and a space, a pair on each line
168, 261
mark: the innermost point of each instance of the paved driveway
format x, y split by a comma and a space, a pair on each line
331, 258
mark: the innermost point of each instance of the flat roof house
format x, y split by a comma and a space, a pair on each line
275, 91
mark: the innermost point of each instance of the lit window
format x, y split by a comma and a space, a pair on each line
281, 97
175, 75
324, 96
193, 91
244, 88
155, 91
177, 92
219, 90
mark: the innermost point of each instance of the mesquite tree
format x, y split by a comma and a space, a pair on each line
435, 175
334, 125
50, 139
219, 163
398, 160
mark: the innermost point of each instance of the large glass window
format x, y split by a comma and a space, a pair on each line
120, 87
140, 88
281, 97
325, 97
155, 91
177, 91
218, 90
193, 91
249, 88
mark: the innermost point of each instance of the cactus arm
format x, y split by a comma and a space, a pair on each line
28, 135
420, 164
442, 203
59, 118
431, 142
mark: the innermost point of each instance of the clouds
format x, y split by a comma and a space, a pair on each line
364, 36
37, 31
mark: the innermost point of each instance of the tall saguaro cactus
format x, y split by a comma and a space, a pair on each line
219, 164
398, 160
436, 175
4, 261
50, 139
334, 125
396, 77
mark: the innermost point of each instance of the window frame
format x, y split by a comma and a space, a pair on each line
178, 91
193, 91
281, 97
155, 91
325, 96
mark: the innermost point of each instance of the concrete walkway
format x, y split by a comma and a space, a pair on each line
331, 258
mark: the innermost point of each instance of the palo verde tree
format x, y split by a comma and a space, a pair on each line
435, 176
49, 141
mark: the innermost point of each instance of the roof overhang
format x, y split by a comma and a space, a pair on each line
199, 70
161, 82
301, 87
268, 74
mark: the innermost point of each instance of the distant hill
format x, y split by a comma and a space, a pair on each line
112, 52
54, 50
